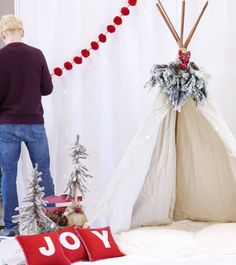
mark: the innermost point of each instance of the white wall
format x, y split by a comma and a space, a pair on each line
104, 99
6, 7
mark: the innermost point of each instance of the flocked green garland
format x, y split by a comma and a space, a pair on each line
180, 80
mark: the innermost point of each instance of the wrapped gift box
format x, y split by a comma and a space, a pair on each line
59, 203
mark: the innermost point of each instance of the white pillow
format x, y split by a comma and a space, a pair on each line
174, 241
217, 238
153, 241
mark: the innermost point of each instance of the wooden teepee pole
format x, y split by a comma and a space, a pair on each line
168, 21
195, 26
176, 126
182, 24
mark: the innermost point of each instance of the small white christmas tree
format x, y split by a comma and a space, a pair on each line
79, 175
77, 182
32, 218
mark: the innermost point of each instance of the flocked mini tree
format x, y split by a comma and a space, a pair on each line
79, 175
77, 183
32, 218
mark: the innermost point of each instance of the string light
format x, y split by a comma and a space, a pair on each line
133, 161
104, 207
233, 155
66, 133
119, 184
64, 176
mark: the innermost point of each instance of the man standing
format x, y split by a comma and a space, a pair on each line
24, 78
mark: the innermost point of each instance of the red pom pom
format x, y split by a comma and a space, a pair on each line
68, 65
125, 11
78, 60
102, 37
118, 20
85, 53
94, 45
58, 71
132, 2
111, 28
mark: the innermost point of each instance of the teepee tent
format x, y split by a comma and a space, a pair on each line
181, 163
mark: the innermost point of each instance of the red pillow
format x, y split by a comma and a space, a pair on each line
72, 246
99, 243
43, 249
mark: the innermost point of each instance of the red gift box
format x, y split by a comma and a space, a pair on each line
59, 203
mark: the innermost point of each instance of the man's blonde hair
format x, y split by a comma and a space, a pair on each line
10, 22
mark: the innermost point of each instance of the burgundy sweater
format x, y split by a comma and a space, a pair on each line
24, 78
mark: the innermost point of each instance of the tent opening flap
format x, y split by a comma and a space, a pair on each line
205, 184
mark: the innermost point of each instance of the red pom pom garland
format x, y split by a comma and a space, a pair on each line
117, 20
68, 65
111, 28
58, 71
125, 11
85, 53
132, 2
102, 38
78, 60
94, 45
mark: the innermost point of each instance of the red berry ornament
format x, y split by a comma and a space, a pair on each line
183, 66
111, 28
117, 20
78, 60
125, 11
85, 53
58, 71
102, 37
184, 57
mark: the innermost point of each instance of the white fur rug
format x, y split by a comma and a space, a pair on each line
183, 242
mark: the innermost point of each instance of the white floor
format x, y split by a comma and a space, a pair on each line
1, 214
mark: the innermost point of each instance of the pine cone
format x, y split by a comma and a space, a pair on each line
63, 221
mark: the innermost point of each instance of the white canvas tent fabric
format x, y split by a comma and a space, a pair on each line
173, 172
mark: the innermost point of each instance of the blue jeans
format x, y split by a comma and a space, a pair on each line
35, 139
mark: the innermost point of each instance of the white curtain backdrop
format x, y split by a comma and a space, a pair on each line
104, 99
